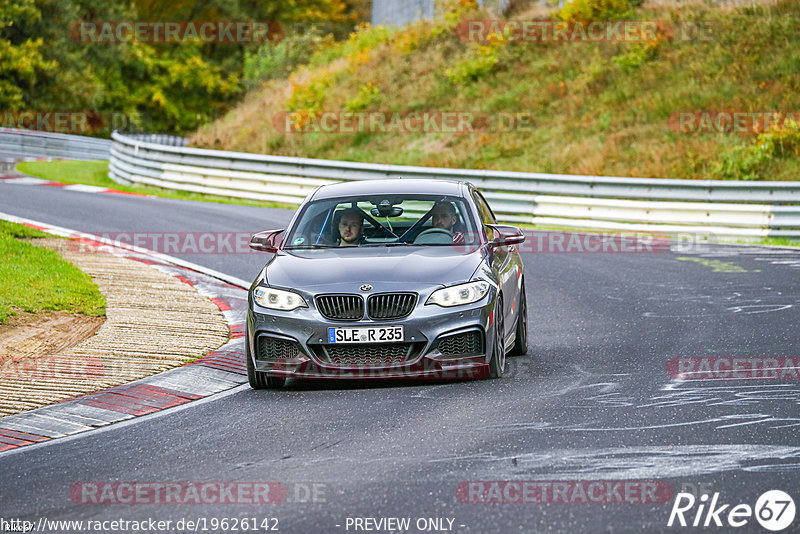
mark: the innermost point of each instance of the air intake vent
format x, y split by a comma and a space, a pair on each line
270, 348
466, 343
372, 355
391, 305
341, 307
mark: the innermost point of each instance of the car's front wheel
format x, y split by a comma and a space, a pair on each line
257, 379
498, 362
521, 343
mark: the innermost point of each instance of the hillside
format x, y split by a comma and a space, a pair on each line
607, 108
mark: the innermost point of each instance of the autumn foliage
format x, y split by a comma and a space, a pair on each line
142, 86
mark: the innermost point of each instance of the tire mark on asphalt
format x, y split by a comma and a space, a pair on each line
631, 463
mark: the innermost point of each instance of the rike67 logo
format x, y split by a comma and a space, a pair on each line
774, 510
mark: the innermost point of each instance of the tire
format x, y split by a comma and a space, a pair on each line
498, 362
259, 380
521, 343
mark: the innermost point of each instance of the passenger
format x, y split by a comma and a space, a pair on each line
444, 215
351, 227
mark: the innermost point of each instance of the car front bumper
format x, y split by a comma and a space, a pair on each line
423, 329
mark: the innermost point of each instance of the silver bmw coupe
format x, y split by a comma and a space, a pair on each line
384, 279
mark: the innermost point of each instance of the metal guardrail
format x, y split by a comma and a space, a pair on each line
33, 144
159, 139
729, 208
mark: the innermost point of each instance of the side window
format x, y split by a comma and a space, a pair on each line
487, 216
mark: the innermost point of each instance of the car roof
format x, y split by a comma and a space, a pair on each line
390, 187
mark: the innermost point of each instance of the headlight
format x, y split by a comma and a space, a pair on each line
277, 299
460, 294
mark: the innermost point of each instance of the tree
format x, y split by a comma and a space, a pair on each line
21, 59
165, 87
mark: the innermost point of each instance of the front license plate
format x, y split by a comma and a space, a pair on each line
371, 334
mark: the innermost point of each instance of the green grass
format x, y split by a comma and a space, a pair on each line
34, 279
96, 173
19, 231
773, 242
70, 172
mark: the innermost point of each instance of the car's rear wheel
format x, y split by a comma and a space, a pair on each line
257, 379
521, 343
498, 362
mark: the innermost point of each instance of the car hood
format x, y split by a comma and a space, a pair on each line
385, 268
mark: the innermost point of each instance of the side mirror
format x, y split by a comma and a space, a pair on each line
505, 235
269, 241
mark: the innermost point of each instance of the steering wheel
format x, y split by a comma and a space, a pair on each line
434, 235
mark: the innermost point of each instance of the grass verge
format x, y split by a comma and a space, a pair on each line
96, 173
772, 242
33, 279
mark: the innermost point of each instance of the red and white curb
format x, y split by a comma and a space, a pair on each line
218, 371
81, 188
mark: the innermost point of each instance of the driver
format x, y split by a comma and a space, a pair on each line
351, 226
443, 215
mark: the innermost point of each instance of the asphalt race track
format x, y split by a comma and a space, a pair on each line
592, 401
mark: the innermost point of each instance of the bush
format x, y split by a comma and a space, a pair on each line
367, 96
310, 95
279, 60
481, 60
424, 33
748, 162
575, 10
365, 38
783, 140
634, 58
743, 163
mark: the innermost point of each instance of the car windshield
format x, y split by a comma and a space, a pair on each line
384, 221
